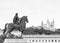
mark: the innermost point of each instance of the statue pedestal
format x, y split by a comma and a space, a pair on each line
15, 41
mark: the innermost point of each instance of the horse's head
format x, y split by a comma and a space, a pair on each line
25, 18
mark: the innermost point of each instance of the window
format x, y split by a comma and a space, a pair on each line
55, 40
58, 40
49, 40
32, 40
52, 40
42, 40
39, 40
36, 40
45, 40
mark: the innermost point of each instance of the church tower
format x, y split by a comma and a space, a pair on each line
51, 25
42, 23
48, 21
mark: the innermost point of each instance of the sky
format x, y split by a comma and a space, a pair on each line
36, 10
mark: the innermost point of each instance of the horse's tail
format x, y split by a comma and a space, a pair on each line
5, 28
6, 25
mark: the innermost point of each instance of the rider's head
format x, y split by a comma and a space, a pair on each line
16, 14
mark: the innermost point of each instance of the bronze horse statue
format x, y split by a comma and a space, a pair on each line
9, 27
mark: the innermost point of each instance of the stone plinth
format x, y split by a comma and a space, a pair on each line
15, 41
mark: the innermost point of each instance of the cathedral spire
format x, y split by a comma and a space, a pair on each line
42, 23
53, 22
47, 21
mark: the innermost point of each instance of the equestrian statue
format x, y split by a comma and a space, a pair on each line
18, 24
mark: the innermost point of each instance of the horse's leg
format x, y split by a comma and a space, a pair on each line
25, 26
19, 29
21, 33
22, 30
4, 31
11, 30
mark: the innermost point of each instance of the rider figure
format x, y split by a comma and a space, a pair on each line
16, 18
